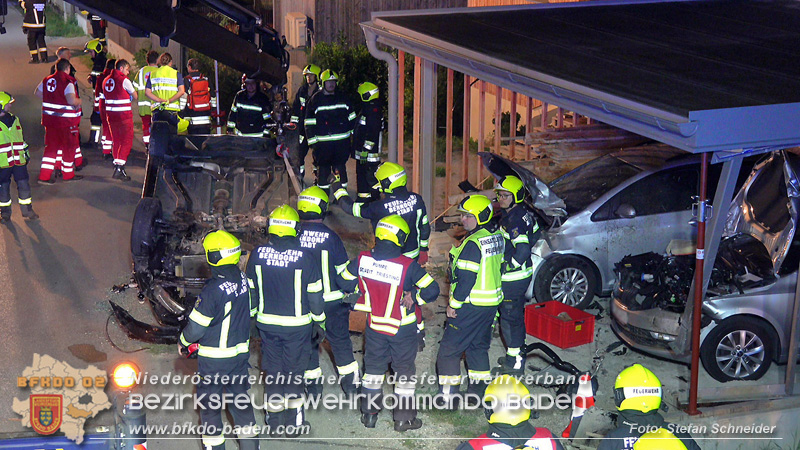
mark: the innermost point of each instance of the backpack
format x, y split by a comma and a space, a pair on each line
199, 95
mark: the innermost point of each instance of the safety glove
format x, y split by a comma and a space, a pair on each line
318, 333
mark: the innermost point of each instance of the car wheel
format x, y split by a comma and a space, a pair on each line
738, 349
566, 279
143, 231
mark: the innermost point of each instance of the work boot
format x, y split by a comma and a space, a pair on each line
370, 419
34, 59
28, 212
106, 156
314, 389
43, 56
75, 178
5, 214
349, 386
49, 182
405, 425
120, 174
513, 365
275, 421
84, 163
57, 174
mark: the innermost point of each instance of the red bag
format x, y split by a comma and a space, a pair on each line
199, 95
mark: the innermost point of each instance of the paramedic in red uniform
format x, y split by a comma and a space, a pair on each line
117, 93
61, 116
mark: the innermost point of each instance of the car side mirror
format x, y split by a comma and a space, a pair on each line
625, 211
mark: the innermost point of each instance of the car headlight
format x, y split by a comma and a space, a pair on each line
662, 336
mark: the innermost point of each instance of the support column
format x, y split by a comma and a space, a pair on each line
448, 167
427, 139
465, 125
401, 110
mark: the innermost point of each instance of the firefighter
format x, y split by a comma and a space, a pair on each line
61, 117
475, 293
106, 140
165, 89
660, 439
312, 204
329, 124
250, 110
509, 416
367, 142
34, 25
397, 199
140, 83
310, 87
118, 92
391, 285
521, 231
97, 51
196, 106
13, 163
218, 330
98, 28
286, 281
637, 395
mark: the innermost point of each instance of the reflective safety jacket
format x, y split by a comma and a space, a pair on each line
475, 269
521, 231
331, 254
140, 83
98, 67
56, 112
299, 107
13, 149
287, 284
329, 121
98, 92
220, 320
630, 421
200, 113
34, 14
509, 437
382, 282
164, 84
249, 115
116, 99
367, 133
405, 204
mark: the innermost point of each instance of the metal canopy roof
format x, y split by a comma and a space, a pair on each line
697, 75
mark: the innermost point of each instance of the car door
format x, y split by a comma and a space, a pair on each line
647, 214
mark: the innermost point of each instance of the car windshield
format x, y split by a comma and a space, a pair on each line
580, 187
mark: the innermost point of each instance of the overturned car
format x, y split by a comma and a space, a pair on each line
747, 313
193, 185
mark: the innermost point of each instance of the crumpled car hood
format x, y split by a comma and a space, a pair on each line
542, 197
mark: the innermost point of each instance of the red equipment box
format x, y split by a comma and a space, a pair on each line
542, 321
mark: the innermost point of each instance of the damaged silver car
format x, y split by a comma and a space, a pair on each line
193, 185
746, 315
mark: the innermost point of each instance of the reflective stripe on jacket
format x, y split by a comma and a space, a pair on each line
12, 145
164, 84
487, 290
56, 112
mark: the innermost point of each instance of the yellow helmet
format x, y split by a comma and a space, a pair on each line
637, 388
513, 185
222, 248
312, 203
508, 397
367, 91
479, 206
390, 176
392, 228
312, 69
5, 99
95, 45
183, 125
329, 75
283, 221
660, 439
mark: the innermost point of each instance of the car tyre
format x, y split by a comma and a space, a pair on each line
739, 348
566, 279
143, 230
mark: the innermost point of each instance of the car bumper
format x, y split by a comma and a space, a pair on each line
645, 330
